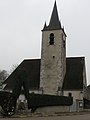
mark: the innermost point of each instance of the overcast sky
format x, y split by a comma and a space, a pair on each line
21, 22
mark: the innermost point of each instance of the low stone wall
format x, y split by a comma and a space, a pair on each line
53, 109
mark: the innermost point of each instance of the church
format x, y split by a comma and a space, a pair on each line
53, 74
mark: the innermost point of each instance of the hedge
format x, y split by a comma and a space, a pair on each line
37, 100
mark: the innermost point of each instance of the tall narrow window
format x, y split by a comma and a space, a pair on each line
63, 38
51, 42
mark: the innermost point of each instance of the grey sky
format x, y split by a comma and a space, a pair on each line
21, 22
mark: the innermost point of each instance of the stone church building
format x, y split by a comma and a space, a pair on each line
54, 73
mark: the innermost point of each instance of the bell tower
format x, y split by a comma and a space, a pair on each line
53, 56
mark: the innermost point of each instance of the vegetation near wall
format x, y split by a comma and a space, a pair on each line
86, 103
37, 100
8, 101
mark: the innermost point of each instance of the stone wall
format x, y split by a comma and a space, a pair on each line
77, 94
53, 109
53, 62
77, 100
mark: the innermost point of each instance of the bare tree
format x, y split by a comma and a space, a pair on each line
13, 68
3, 75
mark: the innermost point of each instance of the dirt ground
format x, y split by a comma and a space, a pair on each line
66, 117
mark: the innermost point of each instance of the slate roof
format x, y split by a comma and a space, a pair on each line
54, 23
74, 73
28, 73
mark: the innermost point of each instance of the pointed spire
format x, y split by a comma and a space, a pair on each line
54, 21
45, 26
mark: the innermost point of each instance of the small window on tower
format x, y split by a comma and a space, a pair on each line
63, 38
51, 42
64, 44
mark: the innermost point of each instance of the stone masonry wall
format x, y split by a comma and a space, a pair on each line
53, 62
53, 109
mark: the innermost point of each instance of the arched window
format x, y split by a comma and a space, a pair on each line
51, 42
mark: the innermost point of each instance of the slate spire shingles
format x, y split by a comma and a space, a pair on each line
54, 23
